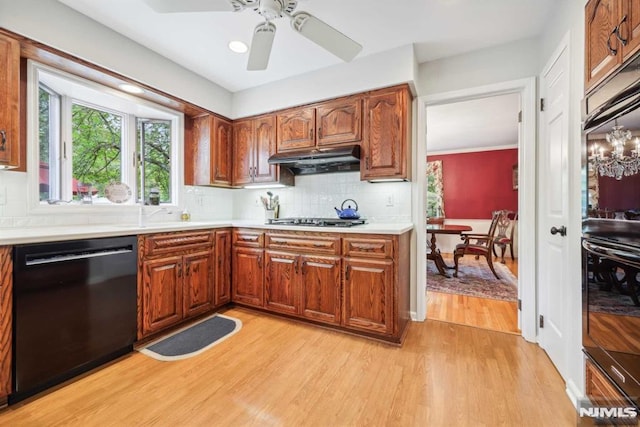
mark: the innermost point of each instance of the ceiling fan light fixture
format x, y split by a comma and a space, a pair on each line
238, 46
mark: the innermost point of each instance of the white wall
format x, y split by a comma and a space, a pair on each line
316, 196
59, 26
511, 61
371, 72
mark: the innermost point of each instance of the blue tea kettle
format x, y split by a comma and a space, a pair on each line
348, 213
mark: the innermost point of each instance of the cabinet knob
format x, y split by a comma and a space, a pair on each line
3, 140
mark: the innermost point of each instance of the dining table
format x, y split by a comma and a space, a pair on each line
434, 253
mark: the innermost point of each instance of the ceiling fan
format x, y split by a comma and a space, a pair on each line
304, 23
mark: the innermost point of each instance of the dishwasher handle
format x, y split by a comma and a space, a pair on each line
51, 258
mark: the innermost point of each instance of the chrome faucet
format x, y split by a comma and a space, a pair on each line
143, 216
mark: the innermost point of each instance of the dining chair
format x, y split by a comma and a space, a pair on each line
504, 234
479, 244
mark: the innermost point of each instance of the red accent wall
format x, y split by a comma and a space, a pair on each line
476, 184
619, 195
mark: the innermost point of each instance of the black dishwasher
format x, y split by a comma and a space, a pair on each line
74, 309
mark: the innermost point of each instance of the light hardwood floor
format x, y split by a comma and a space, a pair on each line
483, 313
276, 372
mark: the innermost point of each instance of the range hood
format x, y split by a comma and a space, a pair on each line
319, 160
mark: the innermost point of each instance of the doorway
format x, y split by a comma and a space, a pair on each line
525, 88
472, 165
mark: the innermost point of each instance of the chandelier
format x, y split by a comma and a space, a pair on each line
617, 164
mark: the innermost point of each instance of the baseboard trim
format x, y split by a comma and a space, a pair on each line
574, 392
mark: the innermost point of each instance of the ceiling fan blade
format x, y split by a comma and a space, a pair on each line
261, 44
325, 36
170, 6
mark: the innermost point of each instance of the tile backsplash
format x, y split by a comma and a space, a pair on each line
317, 195
312, 196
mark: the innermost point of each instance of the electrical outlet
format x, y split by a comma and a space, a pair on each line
390, 200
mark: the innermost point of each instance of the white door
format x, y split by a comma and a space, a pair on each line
553, 210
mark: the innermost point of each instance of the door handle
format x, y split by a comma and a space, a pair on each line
562, 231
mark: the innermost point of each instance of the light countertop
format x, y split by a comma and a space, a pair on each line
23, 235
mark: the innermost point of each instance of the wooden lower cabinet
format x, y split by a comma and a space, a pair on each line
599, 389
350, 281
368, 294
281, 280
320, 288
223, 267
197, 283
6, 321
161, 293
175, 278
247, 276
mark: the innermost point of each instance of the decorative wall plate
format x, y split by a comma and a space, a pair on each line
117, 192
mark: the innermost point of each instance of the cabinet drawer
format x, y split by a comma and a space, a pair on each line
249, 238
367, 247
172, 243
599, 389
302, 243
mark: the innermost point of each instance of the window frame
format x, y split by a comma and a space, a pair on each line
128, 169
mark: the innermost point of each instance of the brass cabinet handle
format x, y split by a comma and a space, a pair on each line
347, 273
320, 133
311, 133
3, 140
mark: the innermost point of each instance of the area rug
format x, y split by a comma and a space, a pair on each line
611, 302
194, 339
474, 279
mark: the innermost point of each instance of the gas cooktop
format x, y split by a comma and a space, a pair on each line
317, 222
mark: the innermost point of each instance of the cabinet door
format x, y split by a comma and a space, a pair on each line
198, 283
222, 149
10, 95
368, 295
339, 122
280, 282
630, 28
247, 277
265, 146
223, 267
161, 293
201, 151
320, 288
296, 128
6, 298
385, 145
602, 50
243, 142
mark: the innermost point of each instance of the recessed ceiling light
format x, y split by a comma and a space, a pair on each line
131, 88
238, 47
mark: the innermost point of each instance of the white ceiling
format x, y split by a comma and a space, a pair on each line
437, 28
473, 125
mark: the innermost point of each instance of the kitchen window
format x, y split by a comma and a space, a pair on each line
89, 136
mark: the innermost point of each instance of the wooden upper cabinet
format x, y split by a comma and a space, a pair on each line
222, 149
339, 121
253, 143
243, 146
265, 146
210, 152
296, 129
612, 35
630, 27
386, 145
9, 104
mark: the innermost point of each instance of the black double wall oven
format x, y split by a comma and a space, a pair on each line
611, 229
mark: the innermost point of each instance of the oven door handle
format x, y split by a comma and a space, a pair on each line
625, 255
603, 115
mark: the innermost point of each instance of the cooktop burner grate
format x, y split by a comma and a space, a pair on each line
317, 222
